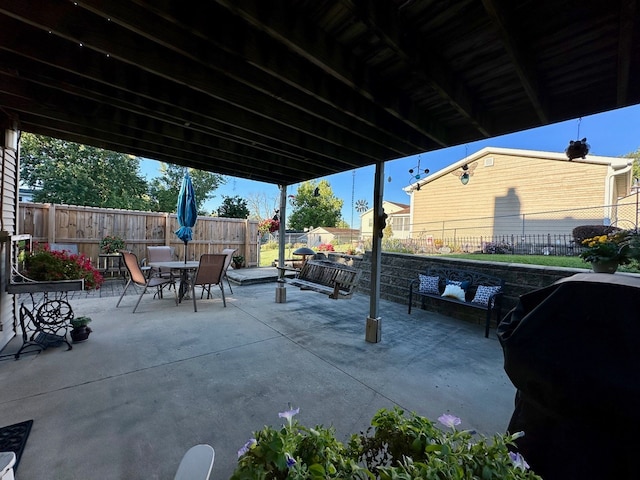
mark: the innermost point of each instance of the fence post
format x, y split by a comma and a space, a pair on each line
247, 243
167, 238
51, 234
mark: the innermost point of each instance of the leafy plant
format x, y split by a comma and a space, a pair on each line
614, 246
233, 207
78, 322
584, 232
396, 446
42, 264
111, 244
501, 248
269, 225
238, 260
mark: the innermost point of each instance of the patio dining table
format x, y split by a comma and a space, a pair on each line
184, 268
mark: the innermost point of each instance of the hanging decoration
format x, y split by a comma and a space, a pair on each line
362, 206
417, 173
577, 148
465, 172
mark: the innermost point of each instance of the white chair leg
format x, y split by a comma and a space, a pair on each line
196, 463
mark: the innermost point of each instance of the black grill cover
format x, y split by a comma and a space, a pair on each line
572, 350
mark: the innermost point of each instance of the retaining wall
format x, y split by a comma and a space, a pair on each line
399, 269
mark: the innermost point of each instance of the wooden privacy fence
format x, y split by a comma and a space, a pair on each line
87, 226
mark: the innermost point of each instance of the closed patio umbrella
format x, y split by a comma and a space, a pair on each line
187, 212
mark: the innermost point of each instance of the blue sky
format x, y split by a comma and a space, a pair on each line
609, 134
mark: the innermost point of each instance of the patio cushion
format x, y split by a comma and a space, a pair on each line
454, 291
462, 284
429, 284
483, 293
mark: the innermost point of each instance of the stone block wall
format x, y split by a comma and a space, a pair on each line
399, 269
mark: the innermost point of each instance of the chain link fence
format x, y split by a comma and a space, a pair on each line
538, 233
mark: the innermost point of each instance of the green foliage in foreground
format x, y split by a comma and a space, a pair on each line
396, 446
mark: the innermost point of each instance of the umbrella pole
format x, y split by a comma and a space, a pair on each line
185, 253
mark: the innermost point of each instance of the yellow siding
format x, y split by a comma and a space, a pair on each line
497, 196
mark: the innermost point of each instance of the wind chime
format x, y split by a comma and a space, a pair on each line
417, 173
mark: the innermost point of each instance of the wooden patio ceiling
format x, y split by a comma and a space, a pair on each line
287, 91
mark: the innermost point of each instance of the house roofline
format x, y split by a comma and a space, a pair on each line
615, 163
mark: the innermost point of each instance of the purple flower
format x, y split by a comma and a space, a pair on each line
247, 446
289, 414
449, 420
290, 460
518, 461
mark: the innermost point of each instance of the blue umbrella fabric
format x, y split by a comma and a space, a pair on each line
187, 212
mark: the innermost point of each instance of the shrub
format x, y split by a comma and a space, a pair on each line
497, 248
325, 247
582, 232
111, 244
46, 266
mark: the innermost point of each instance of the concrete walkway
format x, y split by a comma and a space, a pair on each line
145, 387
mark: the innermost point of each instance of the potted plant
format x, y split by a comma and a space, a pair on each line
80, 331
111, 244
607, 252
238, 260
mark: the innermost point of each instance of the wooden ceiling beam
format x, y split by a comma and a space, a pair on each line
252, 54
422, 64
136, 140
185, 72
525, 69
628, 23
162, 106
306, 40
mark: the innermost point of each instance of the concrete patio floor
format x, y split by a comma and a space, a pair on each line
145, 387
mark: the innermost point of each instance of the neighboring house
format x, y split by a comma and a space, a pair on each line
25, 194
516, 193
398, 216
320, 235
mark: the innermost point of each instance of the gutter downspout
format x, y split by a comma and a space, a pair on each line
609, 201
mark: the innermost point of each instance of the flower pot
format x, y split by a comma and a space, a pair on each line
605, 266
80, 334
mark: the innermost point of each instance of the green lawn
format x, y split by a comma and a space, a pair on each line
269, 254
544, 260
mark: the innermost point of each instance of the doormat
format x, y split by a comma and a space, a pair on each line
14, 438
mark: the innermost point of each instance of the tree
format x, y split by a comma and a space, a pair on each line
164, 189
260, 206
636, 162
65, 172
315, 206
233, 207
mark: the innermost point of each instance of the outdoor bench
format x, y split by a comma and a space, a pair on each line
474, 290
323, 276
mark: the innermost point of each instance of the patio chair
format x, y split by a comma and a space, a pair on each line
210, 272
160, 254
137, 277
196, 463
229, 253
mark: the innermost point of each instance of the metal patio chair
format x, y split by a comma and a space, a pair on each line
137, 277
229, 253
210, 272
